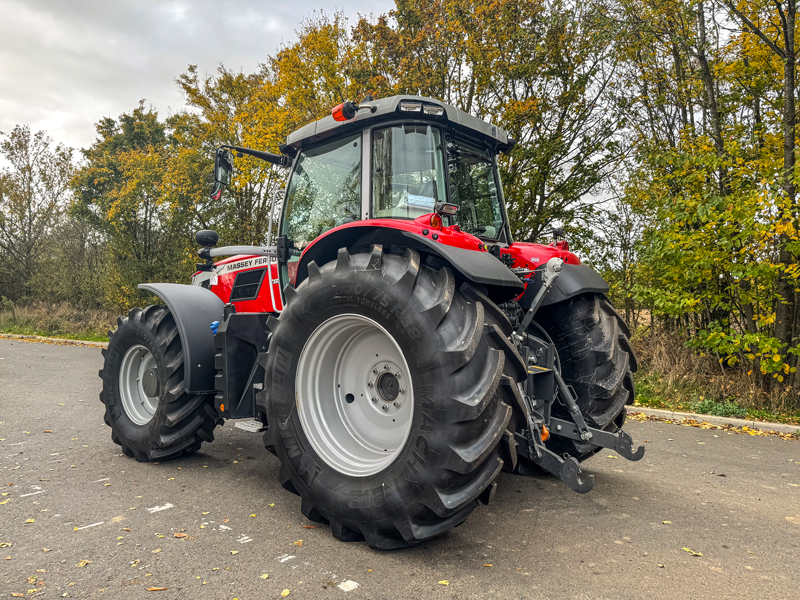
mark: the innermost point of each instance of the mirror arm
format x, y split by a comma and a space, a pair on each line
275, 159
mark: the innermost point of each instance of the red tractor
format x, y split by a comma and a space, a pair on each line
396, 346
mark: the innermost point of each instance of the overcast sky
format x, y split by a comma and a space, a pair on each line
64, 64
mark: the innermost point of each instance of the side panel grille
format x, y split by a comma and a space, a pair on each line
247, 285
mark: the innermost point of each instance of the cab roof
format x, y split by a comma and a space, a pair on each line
387, 109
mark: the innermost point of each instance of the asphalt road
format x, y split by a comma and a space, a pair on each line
82, 520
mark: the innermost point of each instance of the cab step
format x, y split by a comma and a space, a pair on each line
251, 425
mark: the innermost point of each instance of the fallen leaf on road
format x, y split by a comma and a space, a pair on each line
156, 551
309, 527
7, 557
795, 520
252, 515
31, 521
692, 552
611, 456
285, 593
6, 544
83, 562
273, 504
660, 566
298, 543
205, 513
47, 431
265, 576
488, 565
155, 589
666, 522
125, 529
16, 595
234, 552
181, 535
444, 582
45, 549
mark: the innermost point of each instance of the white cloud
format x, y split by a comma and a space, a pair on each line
64, 65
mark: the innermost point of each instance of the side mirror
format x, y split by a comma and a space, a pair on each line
223, 169
558, 232
207, 238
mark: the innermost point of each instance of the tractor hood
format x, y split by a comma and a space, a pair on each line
389, 108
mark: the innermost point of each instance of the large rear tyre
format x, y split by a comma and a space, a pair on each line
389, 389
147, 407
597, 361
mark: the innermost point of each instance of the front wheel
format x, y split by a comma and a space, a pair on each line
387, 391
147, 407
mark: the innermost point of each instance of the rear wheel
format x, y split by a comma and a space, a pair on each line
147, 407
389, 391
597, 361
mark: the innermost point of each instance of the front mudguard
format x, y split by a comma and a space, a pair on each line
194, 308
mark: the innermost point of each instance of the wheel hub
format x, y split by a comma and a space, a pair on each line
354, 395
139, 384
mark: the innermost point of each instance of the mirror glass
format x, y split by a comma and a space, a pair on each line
223, 167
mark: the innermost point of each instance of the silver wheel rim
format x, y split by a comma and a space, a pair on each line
139, 407
354, 395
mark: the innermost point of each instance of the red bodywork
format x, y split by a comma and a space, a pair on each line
526, 256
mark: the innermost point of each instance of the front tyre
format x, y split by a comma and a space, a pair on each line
147, 407
388, 390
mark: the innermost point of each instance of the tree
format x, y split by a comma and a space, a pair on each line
34, 190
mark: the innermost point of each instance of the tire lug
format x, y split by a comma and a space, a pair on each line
374, 399
370, 384
385, 407
402, 390
397, 374
375, 371
386, 367
397, 405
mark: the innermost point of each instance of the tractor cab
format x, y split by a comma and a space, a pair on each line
400, 158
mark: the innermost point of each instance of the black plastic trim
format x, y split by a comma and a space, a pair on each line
574, 280
194, 309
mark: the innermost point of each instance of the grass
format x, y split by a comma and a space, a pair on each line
58, 321
655, 390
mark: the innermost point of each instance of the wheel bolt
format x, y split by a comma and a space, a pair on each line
375, 371
386, 367
374, 399
397, 374
370, 384
397, 404
385, 407
402, 390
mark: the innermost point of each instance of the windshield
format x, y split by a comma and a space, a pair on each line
325, 190
407, 171
473, 188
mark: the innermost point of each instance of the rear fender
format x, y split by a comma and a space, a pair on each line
194, 308
469, 265
574, 280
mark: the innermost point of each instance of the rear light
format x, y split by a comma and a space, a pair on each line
429, 109
436, 222
406, 106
